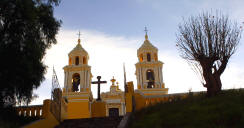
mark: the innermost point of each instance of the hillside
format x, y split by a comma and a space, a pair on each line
225, 110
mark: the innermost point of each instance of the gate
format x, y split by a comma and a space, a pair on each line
113, 112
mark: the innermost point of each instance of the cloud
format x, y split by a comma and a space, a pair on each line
233, 76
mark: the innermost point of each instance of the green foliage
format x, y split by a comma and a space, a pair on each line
226, 110
27, 29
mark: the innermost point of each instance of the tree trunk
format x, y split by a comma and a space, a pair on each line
214, 86
213, 82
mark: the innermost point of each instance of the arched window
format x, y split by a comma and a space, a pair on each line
75, 82
141, 57
84, 60
148, 57
77, 60
150, 78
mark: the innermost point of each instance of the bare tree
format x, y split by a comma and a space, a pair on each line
207, 42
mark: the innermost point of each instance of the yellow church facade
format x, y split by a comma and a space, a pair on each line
77, 85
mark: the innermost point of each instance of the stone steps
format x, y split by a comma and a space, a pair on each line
100, 122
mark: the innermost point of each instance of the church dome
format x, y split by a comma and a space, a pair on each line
78, 50
146, 46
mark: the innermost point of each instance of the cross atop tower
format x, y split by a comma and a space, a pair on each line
146, 30
79, 37
146, 36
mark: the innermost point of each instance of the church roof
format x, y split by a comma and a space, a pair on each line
147, 46
78, 50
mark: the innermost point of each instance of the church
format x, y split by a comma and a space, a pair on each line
77, 85
75, 100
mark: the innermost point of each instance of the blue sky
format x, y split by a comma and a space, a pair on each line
112, 31
128, 17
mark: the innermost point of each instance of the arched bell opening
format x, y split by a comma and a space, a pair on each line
148, 57
141, 58
75, 82
150, 78
76, 60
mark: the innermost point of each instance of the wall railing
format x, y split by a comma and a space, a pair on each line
30, 111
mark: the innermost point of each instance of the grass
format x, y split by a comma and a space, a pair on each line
226, 110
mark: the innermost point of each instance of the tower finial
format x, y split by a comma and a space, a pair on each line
79, 37
146, 36
113, 80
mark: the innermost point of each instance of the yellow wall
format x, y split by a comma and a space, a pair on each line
79, 110
128, 97
98, 109
64, 109
46, 108
128, 100
142, 102
139, 101
49, 120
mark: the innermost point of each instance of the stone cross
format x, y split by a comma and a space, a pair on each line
98, 82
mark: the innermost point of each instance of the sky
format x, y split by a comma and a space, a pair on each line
113, 30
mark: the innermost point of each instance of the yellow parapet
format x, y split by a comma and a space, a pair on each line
98, 109
129, 97
79, 110
140, 101
49, 120
79, 105
128, 100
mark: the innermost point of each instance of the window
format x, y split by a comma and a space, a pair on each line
77, 60
150, 78
75, 82
141, 57
148, 57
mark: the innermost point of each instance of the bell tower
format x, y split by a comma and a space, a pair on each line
78, 73
77, 83
149, 70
